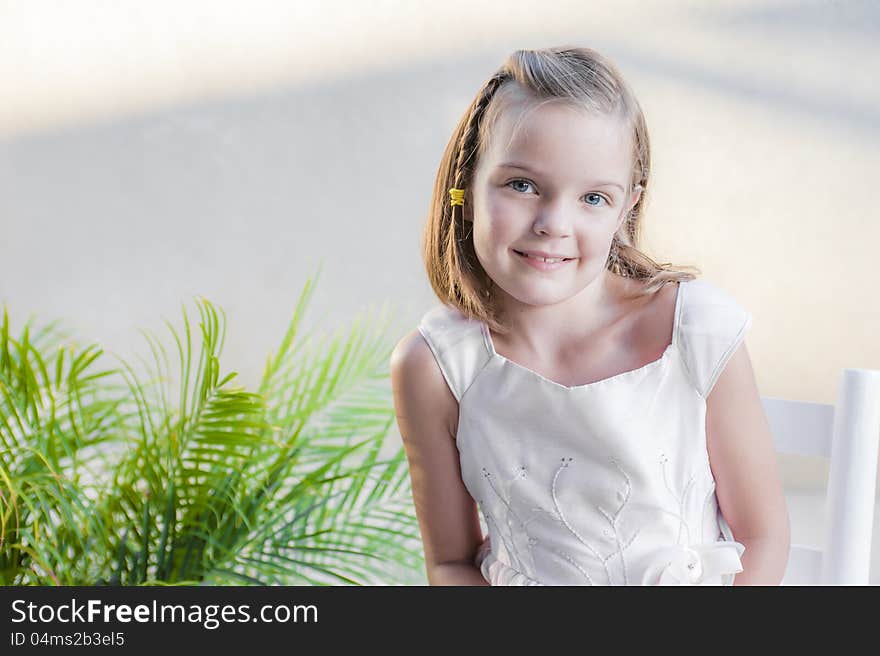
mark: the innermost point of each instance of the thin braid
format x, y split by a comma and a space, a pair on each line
468, 142
467, 146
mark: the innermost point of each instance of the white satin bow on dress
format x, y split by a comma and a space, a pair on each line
694, 564
679, 564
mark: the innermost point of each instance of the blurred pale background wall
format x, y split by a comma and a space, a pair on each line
150, 152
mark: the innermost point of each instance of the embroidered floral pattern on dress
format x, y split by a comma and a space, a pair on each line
684, 563
508, 536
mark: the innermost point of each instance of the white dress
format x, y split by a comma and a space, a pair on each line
606, 483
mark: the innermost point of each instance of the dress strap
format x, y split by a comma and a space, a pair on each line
458, 346
711, 325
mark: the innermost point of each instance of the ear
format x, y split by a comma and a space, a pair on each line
634, 196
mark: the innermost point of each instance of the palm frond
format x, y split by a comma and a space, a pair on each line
104, 478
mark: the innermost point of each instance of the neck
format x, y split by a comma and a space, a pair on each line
546, 331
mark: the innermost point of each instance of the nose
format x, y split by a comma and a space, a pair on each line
553, 220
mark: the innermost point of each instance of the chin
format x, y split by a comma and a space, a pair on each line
537, 298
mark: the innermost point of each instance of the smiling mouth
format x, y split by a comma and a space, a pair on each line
543, 259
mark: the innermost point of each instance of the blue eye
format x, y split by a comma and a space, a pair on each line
594, 200
516, 182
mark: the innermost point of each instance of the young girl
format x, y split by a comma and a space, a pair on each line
598, 408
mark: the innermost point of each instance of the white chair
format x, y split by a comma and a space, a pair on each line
848, 433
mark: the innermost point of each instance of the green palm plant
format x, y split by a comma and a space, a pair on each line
56, 420
104, 479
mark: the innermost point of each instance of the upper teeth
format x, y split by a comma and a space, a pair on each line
544, 259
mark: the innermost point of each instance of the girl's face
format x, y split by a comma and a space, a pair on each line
552, 180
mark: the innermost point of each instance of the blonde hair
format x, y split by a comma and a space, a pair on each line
578, 76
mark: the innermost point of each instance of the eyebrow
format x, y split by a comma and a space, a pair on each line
523, 167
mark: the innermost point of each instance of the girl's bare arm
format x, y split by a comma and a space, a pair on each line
427, 416
748, 485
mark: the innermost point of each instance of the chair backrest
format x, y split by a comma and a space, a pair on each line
848, 434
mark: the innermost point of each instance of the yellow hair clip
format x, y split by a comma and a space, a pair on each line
457, 196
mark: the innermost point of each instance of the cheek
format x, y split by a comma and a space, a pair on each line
595, 243
496, 220
482, 234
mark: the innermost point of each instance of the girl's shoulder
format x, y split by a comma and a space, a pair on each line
710, 324
702, 293
426, 409
444, 326
457, 343
433, 366
447, 317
